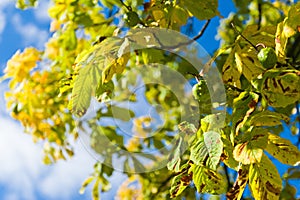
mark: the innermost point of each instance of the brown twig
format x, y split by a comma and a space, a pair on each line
238, 32
259, 15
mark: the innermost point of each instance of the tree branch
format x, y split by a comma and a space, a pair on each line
201, 32
238, 32
259, 15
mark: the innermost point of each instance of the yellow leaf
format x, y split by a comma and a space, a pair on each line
19, 66
264, 180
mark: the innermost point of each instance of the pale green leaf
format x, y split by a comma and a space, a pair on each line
207, 150
83, 89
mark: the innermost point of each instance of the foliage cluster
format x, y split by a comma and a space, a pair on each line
82, 60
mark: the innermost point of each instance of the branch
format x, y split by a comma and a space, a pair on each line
259, 14
238, 32
126, 6
201, 32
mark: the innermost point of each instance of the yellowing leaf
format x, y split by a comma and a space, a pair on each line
283, 150
251, 150
231, 75
208, 181
86, 183
117, 66
247, 63
181, 181
83, 88
245, 154
240, 183
90, 64
264, 180
268, 118
19, 66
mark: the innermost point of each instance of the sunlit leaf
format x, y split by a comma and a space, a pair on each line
251, 150
207, 150
264, 180
202, 9
283, 150
86, 183
268, 118
208, 181
239, 185
181, 181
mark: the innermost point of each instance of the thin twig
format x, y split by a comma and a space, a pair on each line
126, 6
238, 32
201, 32
259, 14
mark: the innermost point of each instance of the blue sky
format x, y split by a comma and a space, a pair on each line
22, 174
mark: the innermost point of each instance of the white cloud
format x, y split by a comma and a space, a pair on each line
41, 12
23, 174
2, 20
30, 33
5, 3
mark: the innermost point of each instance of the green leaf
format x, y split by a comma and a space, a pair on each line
91, 63
264, 180
268, 118
288, 192
207, 150
175, 156
83, 89
201, 9
208, 181
283, 150
152, 55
